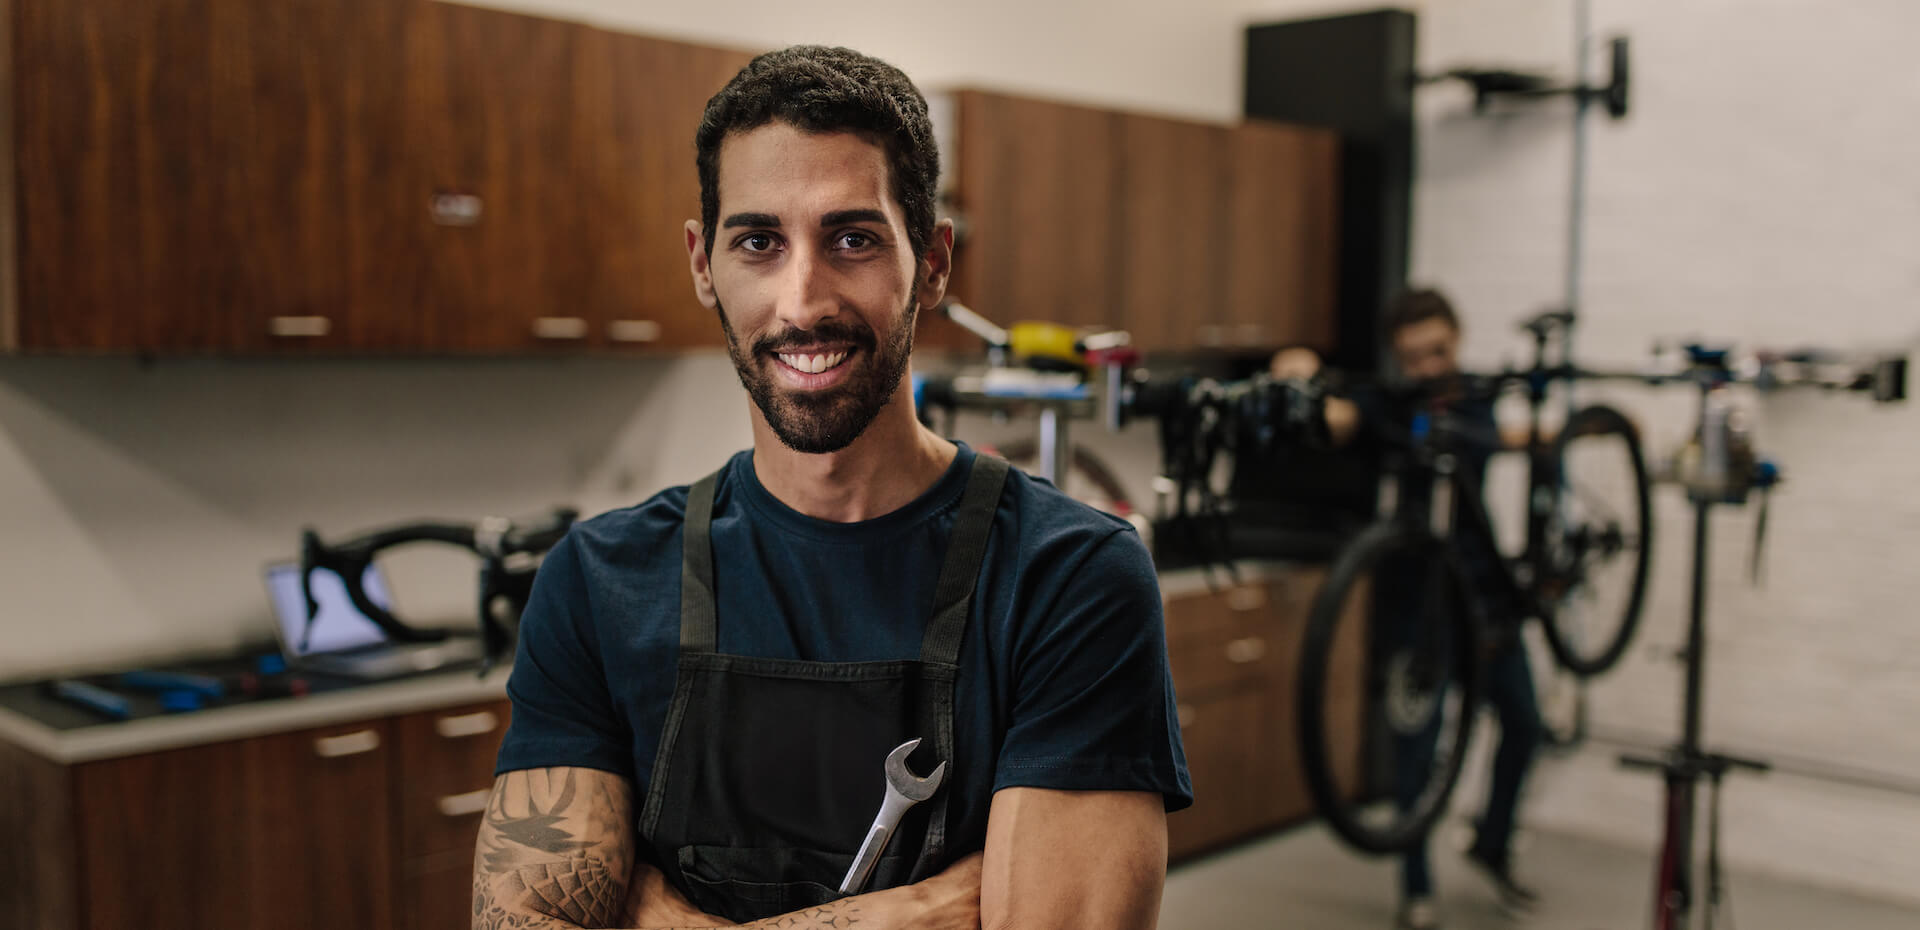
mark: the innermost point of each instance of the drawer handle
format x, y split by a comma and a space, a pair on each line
465, 805
1250, 649
633, 331
1247, 597
474, 724
1186, 714
559, 327
299, 327
451, 208
346, 744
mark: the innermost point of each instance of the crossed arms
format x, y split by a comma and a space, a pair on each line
557, 850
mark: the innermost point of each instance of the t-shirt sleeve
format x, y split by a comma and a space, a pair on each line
1092, 698
563, 713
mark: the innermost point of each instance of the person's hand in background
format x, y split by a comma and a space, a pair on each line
1296, 363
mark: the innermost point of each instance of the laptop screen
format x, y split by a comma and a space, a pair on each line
340, 625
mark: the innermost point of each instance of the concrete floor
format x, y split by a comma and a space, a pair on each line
1305, 878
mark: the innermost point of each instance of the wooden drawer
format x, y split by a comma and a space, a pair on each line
1224, 757
437, 892
444, 776
1221, 640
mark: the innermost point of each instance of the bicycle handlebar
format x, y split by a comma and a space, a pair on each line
494, 540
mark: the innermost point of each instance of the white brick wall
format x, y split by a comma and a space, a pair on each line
1762, 192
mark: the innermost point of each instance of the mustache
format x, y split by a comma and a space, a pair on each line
858, 335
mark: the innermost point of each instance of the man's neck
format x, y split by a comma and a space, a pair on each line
892, 463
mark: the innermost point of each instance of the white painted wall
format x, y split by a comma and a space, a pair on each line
1762, 192
1763, 189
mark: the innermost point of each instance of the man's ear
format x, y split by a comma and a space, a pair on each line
935, 267
701, 265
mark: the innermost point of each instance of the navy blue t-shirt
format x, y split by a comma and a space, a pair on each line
1063, 672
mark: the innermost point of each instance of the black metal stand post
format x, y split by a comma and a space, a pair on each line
1686, 763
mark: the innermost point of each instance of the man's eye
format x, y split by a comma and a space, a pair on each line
855, 240
758, 242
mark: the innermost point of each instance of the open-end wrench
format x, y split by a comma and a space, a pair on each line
904, 790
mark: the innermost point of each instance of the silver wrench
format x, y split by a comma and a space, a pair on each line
904, 790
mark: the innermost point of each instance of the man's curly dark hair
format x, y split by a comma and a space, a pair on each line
819, 89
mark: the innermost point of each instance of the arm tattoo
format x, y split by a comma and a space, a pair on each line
838, 915
533, 871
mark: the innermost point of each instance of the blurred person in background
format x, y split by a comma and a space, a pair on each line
1423, 336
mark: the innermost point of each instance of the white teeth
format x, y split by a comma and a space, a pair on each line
813, 364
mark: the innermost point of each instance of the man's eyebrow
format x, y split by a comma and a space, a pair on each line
764, 220
862, 215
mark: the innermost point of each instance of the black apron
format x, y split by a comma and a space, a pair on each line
770, 771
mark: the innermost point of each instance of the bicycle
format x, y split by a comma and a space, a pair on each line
1420, 645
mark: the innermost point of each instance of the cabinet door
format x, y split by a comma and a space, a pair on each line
1282, 238
313, 147
204, 175
503, 193
319, 828
123, 240
289, 831
643, 101
1038, 185
1171, 229
442, 780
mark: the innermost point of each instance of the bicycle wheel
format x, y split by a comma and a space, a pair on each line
1592, 576
1386, 687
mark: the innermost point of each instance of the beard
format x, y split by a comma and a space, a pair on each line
818, 422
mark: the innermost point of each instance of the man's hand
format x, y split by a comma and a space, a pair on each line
652, 902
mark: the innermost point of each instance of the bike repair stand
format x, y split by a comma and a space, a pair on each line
1718, 468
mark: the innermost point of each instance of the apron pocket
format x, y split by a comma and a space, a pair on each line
746, 884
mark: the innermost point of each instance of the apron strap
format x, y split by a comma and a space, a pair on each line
697, 619
966, 551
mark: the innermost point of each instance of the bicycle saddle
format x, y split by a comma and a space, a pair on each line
1545, 324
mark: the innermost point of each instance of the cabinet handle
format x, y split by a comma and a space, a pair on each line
1186, 715
465, 805
559, 327
1250, 649
474, 724
299, 327
346, 744
1213, 334
450, 208
1247, 597
633, 331
1250, 334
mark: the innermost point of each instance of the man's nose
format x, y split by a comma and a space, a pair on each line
808, 293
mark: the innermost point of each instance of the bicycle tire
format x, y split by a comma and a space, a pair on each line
1580, 650
1354, 811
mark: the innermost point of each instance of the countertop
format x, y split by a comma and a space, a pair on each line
1184, 582
105, 739
73, 738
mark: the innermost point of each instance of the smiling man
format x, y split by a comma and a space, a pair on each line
709, 684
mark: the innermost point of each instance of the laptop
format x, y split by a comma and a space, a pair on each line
344, 641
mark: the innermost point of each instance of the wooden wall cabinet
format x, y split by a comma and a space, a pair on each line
369, 825
1190, 235
1234, 655
374, 176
